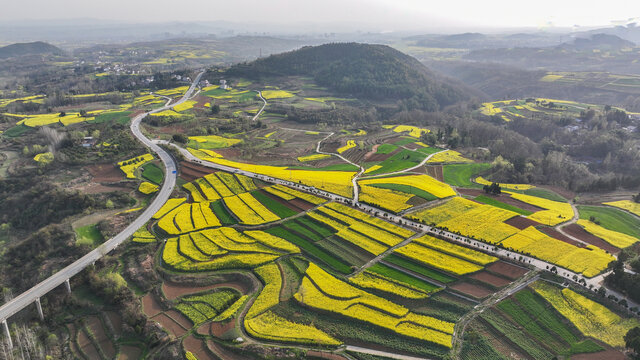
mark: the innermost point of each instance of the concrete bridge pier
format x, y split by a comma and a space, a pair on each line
39, 306
68, 285
7, 334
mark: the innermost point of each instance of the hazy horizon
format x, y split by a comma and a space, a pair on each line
341, 15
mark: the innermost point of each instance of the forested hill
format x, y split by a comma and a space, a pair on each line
33, 48
376, 72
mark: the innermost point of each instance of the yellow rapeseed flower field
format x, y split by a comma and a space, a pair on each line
422, 182
591, 318
630, 206
371, 280
589, 261
313, 157
614, 238
448, 156
556, 212
148, 188
185, 106
387, 199
437, 259
337, 182
273, 327
413, 131
350, 145
322, 291
482, 181
168, 206
276, 94
129, 166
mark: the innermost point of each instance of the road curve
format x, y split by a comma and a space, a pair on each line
26, 298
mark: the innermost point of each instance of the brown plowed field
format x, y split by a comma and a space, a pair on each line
507, 270
128, 352
151, 306
73, 344
602, 355
105, 173
490, 279
558, 235
435, 171
505, 198
282, 201
170, 325
116, 322
299, 203
95, 325
219, 328
174, 290
86, 345
179, 318
198, 348
578, 232
472, 290
521, 222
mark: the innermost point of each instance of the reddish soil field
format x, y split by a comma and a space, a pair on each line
151, 306
282, 201
135, 113
472, 290
170, 325
507, 270
608, 355
558, 235
578, 232
105, 173
435, 171
219, 328
174, 290
323, 355
374, 148
521, 222
116, 321
299, 203
128, 352
490, 279
221, 352
198, 348
505, 198
179, 318
95, 325
381, 157
86, 346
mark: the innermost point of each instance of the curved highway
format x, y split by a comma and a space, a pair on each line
26, 298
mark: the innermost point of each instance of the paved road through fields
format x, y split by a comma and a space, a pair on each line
26, 298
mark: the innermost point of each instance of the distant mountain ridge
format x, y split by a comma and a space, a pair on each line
32, 48
367, 71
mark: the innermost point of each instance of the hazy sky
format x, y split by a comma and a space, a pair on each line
379, 14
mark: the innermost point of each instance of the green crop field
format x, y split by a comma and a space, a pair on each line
461, 174
546, 194
402, 160
89, 235
418, 269
153, 173
120, 117
612, 219
493, 202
